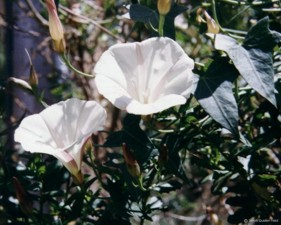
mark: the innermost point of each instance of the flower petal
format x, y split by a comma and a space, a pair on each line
161, 104
34, 136
55, 26
62, 127
145, 72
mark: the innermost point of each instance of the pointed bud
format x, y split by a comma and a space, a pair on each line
55, 27
21, 83
132, 164
199, 18
24, 201
211, 24
33, 78
164, 6
212, 217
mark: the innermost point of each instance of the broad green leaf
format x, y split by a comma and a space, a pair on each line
214, 93
143, 14
169, 26
253, 59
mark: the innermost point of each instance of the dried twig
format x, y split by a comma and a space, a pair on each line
36, 13
69, 11
186, 218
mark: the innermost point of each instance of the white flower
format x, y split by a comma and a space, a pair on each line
61, 130
146, 77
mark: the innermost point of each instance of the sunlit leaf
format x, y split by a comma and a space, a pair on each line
253, 59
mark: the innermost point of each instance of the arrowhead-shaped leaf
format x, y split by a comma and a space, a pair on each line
143, 14
253, 59
214, 93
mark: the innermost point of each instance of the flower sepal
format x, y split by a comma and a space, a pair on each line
78, 178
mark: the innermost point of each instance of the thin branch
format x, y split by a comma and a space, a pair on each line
254, 3
36, 13
69, 11
186, 218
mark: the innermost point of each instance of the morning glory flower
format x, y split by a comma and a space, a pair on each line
145, 77
62, 130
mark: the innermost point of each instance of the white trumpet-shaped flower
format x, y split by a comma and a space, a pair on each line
145, 77
62, 130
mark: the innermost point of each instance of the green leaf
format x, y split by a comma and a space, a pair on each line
253, 59
169, 186
220, 178
174, 164
265, 177
261, 37
169, 26
143, 14
214, 93
134, 137
149, 16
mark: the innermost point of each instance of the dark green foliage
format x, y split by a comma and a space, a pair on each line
151, 17
188, 161
253, 59
214, 93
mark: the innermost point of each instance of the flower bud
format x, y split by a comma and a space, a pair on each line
132, 164
55, 27
33, 78
212, 217
164, 6
211, 24
21, 83
24, 201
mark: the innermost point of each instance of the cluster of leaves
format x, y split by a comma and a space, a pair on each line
229, 131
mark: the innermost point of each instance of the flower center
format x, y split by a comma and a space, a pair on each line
144, 96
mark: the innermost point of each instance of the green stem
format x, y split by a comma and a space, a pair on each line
254, 3
213, 3
140, 182
69, 65
161, 25
236, 90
